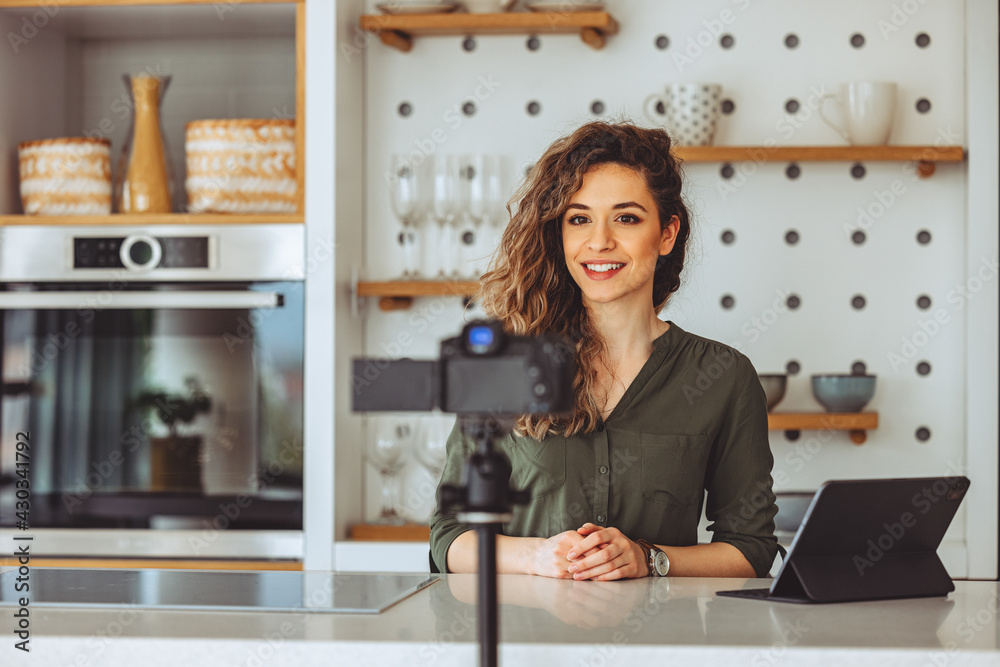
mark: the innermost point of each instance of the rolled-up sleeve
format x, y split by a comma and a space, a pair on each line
444, 527
740, 505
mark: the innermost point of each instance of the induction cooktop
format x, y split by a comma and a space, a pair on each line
209, 590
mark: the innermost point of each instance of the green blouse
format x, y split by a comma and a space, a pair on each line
693, 420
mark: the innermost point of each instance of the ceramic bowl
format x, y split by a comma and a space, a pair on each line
792, 506
774, 388
843, 393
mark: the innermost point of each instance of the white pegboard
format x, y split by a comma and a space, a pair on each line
759, 203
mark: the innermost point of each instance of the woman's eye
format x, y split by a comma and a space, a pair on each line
629, 219
577, 220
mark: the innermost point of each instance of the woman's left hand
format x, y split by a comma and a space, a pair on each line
617, 557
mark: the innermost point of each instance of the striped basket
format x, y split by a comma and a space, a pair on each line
241, 166
67, 176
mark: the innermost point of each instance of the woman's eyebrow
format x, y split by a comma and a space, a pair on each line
625, 204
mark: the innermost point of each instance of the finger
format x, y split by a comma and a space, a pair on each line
588, 528
605, 568
592, 541
603, 556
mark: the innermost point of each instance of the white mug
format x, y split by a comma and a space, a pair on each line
487, 6
691, 111
867, 108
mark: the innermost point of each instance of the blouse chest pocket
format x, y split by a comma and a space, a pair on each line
673, 468
539, 467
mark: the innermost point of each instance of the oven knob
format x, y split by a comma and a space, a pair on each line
140, 252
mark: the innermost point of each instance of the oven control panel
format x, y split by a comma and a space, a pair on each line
139, 252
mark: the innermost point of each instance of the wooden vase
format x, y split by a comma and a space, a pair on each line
144, 172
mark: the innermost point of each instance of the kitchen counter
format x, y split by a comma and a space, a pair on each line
543, 621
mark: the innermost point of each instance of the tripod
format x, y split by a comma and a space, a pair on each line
484, 502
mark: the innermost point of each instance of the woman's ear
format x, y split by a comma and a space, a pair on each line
669, 235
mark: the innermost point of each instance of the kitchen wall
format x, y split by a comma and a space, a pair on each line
792, 237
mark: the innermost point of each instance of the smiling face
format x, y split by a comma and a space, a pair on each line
612, 237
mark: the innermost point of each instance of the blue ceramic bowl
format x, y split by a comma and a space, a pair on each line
843, 393
774, 388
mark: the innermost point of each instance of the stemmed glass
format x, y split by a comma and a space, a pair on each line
445, 206
387, 453
431, 448
473, 181
408, 204
495, 205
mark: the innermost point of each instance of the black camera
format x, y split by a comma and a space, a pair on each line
483, 371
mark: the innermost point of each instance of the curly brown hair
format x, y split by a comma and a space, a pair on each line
529, 288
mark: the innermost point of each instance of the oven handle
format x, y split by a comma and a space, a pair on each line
119, 300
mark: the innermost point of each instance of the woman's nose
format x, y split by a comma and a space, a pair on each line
600, 237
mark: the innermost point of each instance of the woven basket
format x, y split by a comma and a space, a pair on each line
67, 176
241, 166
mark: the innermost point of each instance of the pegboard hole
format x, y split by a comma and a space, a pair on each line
793, 367
791, 40
858, 171
728, 106
859, 368
793, 302
527, 169
923, 237
791, 237
469, 238
923, 368
793, 171
792, 436
662, 42
404, 109
923, 105
923, 40
401, 239
469, 108
597, 107
727, 171
923, 302
533, 43
858, 302
469, 44
534, 108
859, 237
857, 40
727, 301
727, 41
728, 237
792, 105
923, 434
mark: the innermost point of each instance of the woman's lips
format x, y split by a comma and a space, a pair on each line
612, 269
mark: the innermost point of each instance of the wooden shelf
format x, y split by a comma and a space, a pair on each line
373, 532
855, 422
398, 30
154, 219
925, 156
399, 294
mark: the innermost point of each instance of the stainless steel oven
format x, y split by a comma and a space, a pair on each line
157, 372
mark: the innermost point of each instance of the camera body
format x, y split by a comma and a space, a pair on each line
483, 371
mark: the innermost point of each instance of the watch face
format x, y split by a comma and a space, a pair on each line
660, 563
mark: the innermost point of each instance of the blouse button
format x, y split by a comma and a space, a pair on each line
600, 518
600, 426
604, 470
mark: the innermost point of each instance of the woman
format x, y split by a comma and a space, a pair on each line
594, 250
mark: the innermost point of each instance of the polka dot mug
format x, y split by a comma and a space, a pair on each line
687, 111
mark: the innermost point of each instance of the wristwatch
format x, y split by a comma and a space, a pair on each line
656, 559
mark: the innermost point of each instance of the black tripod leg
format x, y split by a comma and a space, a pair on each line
487, 600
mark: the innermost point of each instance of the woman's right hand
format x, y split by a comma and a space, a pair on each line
547, 558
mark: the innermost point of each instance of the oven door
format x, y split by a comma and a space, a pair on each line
155, 406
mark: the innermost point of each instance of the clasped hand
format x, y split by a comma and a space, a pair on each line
589, 552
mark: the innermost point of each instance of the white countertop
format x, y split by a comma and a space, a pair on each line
543, 621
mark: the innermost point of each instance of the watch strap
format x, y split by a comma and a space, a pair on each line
647, 549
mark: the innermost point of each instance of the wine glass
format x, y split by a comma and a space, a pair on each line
445, 204
408, 204
473, 181
431, 447
495, 206
387, 453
